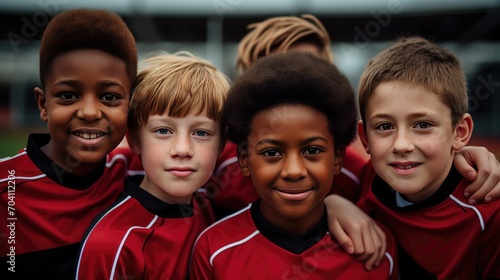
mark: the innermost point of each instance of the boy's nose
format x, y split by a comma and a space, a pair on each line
181, 146
293, 168
403, 142
89, 110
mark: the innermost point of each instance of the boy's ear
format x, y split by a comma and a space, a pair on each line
362, 136
243, 161
41, 101
463, 132
339, 160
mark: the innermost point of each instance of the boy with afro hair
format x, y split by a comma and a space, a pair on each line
63, 179
291, 116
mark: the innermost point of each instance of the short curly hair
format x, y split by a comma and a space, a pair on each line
88, 29
277, 34
292, 78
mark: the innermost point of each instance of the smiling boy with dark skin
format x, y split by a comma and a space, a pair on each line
292, 116
88, 63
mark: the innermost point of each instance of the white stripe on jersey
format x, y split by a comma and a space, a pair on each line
232, 245
480, 217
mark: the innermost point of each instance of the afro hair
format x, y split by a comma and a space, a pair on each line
292, 78
88, 29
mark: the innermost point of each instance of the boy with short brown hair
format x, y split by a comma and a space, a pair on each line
413, 103
88, 63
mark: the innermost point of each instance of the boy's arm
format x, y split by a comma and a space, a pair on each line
355, 231
481, 167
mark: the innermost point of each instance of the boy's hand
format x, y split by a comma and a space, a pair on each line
485, 186
355, 231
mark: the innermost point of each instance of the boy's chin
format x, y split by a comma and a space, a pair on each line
89, 156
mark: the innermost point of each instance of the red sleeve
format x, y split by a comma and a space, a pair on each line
391, 252
234, 190
134, 163
200, 267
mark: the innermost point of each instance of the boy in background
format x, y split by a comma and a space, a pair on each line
63, 179
292, 116
413, 103
175, 127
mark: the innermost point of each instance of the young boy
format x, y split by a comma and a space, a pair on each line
279, 35
175, 126
413, 102
291, 115
62, 180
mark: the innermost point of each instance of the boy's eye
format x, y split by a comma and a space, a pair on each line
108, 97
200, 133
384, 126
271, 153
162, 131
312, 151
423, 125
67, 95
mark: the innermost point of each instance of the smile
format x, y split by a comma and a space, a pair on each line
89, 135
405, 166
294, 194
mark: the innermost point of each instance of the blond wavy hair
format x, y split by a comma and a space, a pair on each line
277, 34
176, 84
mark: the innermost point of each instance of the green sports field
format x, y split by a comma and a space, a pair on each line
11, 142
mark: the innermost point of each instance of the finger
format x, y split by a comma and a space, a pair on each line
379, 245
342, 237
465, 166
383, 245
494, 194
487, 180
369, 247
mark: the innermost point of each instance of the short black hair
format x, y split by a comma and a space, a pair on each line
88, 29
292, 78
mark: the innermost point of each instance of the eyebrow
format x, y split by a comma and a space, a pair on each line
413, 115
276, 142
102, 84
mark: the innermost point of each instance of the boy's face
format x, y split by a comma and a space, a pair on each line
178, 155
410, 138
292, 162
85, 104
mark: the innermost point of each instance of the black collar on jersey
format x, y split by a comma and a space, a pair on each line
287, 241
155, 205
54, 171
387, 195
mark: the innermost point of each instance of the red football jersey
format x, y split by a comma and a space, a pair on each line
232, 190
47, 210
245, 246
442, 237
142, 237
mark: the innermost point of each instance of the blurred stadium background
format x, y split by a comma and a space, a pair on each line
212, 28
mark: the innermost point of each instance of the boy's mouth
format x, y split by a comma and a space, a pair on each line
88, 135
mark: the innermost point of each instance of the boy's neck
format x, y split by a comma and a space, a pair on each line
297, 226
285, 239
